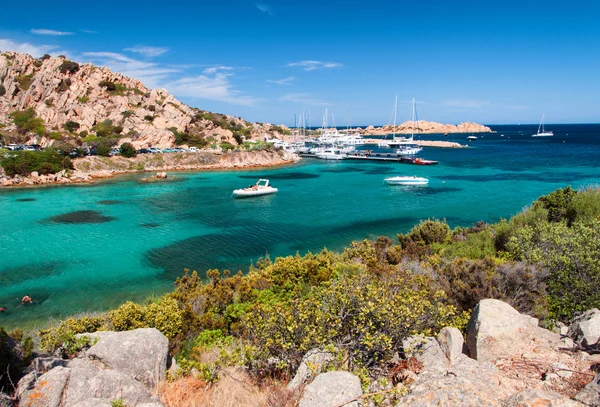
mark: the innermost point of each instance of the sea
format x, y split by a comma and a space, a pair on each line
89, 248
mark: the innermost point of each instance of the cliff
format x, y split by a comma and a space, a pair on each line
61, 91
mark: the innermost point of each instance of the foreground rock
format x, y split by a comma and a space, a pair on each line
590, 395
313, 363
332, 389
119, 366
585, 329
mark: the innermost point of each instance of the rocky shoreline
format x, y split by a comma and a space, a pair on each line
89, 169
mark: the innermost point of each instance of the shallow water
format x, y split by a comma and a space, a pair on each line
92, 247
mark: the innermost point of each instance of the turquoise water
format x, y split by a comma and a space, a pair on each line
92, 247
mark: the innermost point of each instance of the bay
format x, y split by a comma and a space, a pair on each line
92, 247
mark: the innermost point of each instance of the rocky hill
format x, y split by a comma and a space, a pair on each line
427, 127
81, 102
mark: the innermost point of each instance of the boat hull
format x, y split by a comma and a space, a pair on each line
406, 181
246, 193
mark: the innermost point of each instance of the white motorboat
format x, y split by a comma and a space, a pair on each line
262, 187
541, 132
472, 138
331, 154
405, 180
409, 150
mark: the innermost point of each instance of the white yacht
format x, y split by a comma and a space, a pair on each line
331, 154
406, 180
409, 149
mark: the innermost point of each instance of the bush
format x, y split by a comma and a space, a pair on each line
45, 57
63, 85
149, 118
55, 135
2, 90
68, 67
26, 121
127, 150
25, 162
428, 232
103, 148
227, 146
71, 126
110, 86
107, 129
24, 81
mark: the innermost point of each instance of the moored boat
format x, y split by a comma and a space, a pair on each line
406, 180
420, 161
261, 187
331, 154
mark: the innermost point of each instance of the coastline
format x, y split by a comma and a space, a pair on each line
89, 169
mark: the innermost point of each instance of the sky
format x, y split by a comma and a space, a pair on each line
490, 62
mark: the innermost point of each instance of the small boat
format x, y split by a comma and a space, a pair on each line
541, 132
472, 138
404, 180
420, 161
409, 150
331, 154
262, 187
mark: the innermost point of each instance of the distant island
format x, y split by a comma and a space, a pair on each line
425, 127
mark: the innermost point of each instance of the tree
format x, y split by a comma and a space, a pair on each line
127, 150
110, 86
71, 126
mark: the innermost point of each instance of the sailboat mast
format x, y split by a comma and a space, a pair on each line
395, 111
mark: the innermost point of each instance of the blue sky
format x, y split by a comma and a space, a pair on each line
488, 62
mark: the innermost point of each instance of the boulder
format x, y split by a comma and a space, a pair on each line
46, 390
585, 329
590, 395
332, 389
89, 381
313, 363
426, 350
95, 403
539, 398
498, 331
451, 343
466, 383
141, 353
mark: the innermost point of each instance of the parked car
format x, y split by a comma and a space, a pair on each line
154, 150
143, 151
194, 149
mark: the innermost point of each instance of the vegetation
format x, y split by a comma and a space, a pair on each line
127, 150
106, 128
2, 90
71, 126
68, 67
63, 85
25, 81
26, 121
25, 162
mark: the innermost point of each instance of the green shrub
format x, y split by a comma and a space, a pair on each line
127, 150
2, 90
71, 126
107, 129
68, 67
26, 121
110, 86
428, 232
84, 99
25, 81
25, 162
55, 135
227, 146
103, 148
49, 102
149, 118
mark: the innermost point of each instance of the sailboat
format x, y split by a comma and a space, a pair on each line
541, 132
384, 143
406, 145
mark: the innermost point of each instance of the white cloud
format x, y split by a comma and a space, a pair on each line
214, 69
466, 104
89, 31
211, 85
265, 9
26, 48
150, 73
147, 51
43, 31
284, 81
303, 99
312, 65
